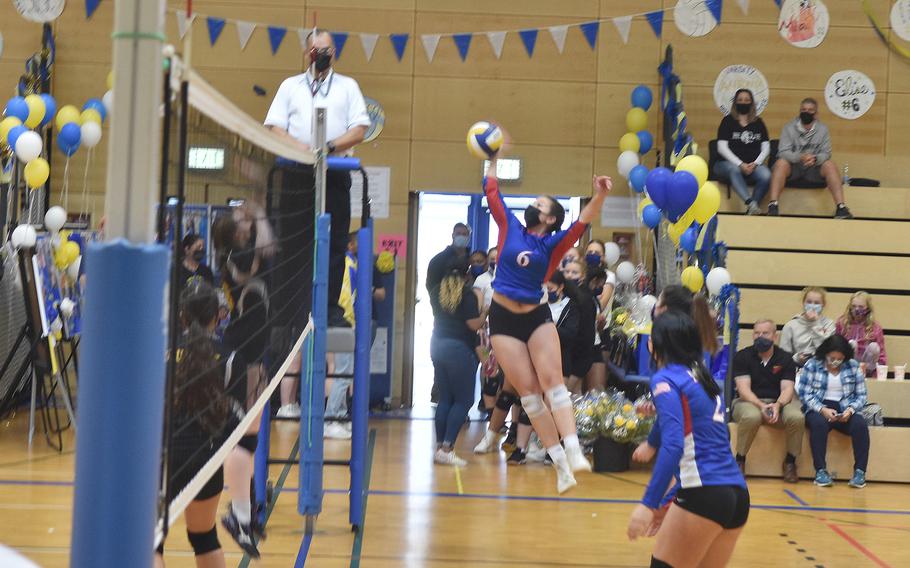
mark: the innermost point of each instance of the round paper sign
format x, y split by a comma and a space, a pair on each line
693, 18
41, 11
737, 77
803, 23
900, 19
849, 94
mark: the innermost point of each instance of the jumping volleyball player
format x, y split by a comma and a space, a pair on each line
521, 328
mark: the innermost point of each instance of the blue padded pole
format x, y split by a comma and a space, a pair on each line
261, 461
342, 163
312, 390
121, 394
363, 311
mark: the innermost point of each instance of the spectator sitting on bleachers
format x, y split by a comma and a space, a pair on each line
865, 334
833, 392
805, 332
742, 142
804, 155
765, 376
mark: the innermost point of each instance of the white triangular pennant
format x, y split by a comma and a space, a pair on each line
744, 6
497, 39
244, 33
430, 43
559, 36
623, 25
368, 41
184, 23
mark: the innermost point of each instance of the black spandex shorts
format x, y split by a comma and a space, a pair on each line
519, 326
726, 505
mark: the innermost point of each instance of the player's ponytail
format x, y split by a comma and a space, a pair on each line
676, 341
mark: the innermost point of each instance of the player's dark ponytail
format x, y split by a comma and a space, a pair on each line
676, 340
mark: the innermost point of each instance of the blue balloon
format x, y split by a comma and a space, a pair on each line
69, 138
50, 106
689, 239
638, 177
98, 105
642, 97
650, 215
14, 134
682, 194
646, 141
658, 186
17, 107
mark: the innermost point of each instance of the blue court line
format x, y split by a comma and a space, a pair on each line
795, 497
304, 550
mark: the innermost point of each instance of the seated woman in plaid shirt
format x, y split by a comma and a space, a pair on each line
833, 392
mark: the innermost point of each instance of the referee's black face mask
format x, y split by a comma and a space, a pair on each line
322, 58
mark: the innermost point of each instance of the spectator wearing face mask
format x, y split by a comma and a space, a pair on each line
484, 282
458, 250
478, 265
595, 253
193, 257
803, 334
742, 142
572, 255
865, 334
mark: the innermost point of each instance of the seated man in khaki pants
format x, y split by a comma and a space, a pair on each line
765, 378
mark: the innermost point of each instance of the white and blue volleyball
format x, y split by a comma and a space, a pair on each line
484, 139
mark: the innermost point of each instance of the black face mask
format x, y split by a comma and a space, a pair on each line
762, 344
806, 118
532, 216
743, 108
199, 255
322, 60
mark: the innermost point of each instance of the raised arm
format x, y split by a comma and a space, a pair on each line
602, 186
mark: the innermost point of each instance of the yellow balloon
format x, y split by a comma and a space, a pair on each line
110, 80
636, 119
642, 204
36, 110
695, 165
674, 231
6, 125
693, 279
706, 203
36, 172
685, 221
69, 251
629, 143
90, 115
66, 115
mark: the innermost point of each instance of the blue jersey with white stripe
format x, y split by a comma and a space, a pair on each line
694, 439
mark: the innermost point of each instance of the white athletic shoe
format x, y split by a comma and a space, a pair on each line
536, 454
578, 461
335, 431
289, 411
489, 443
443, 457
564, 479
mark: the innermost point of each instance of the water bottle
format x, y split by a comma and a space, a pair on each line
846, 179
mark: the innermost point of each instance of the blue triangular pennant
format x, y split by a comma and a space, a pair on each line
340, 38
216, 26
90, 7
777, 2
589, 29
399, 42
656, 19
276, 36
716, 7
529, 38
463, 43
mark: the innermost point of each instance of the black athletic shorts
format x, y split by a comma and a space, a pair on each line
519, 326
726, 505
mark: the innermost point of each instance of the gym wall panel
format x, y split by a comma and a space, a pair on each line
876, 202
605, 165
891, 311
898, 133
359, 4
635, 62
829, 270
394, 154
898, 67
240, 83
613, 102
574, 8
875, 237
394, 93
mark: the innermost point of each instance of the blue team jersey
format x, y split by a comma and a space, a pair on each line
526, 261
694, 439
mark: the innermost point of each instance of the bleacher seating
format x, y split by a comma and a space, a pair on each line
714, 156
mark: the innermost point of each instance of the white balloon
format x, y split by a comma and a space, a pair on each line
67, 306
24, 236
55, 218
28, 146
648, 302
625, 272
626, 161
108, 100
611, 253
73, 269
717, 279
91, 134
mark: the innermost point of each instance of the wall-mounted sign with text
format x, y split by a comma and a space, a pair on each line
849, 94
737, 77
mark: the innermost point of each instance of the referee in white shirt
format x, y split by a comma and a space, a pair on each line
291, 114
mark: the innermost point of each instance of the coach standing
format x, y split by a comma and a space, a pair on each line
292, 114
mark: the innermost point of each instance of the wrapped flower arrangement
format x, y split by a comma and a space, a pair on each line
610, 414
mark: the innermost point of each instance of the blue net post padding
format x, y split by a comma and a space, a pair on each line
261, 462
312, 389
121, 393
363, 313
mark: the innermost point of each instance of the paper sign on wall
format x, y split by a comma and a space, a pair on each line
378, 177
900, 19
737, 77
395, 244
803, 23
40, 11
849, 94
693, 18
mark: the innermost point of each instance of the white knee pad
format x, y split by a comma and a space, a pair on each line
533, 405
559, 397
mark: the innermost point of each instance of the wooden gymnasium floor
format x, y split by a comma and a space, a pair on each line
484, 515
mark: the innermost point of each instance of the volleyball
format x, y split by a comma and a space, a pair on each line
484, 139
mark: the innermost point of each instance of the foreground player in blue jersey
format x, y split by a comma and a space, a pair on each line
521, 328
711, 502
